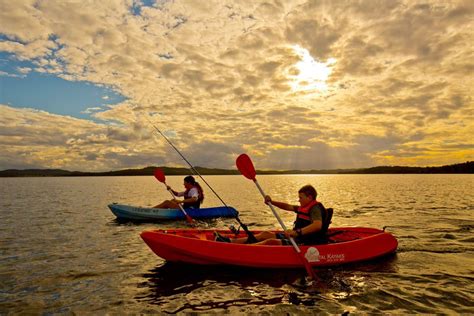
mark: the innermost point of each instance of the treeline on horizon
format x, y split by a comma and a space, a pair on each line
466, 167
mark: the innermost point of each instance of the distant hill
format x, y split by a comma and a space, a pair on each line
467, 167
125, 172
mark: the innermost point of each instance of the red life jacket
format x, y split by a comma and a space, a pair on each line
303, 217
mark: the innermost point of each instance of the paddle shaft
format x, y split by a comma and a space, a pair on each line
190, 165
180, 206
245, 228
298, 250
307, 266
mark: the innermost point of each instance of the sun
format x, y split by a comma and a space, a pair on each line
311, 74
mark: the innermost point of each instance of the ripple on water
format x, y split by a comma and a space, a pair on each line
64, 253
183, 288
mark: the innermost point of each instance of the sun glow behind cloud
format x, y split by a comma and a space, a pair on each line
312, 74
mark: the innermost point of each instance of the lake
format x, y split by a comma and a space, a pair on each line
62, 250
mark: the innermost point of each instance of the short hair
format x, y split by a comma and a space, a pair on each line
309, 190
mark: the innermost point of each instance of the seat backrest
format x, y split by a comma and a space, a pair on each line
329, 212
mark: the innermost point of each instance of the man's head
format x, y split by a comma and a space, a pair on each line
307, 194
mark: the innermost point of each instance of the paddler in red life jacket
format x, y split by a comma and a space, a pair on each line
192, 196
310, 226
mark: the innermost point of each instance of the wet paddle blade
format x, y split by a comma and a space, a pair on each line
159, 175
245, 166
308, 268
189, 219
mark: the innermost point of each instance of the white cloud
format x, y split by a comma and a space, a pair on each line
7, 74
218, 75
24, 70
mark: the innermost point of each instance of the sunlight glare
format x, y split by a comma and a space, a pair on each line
312, 74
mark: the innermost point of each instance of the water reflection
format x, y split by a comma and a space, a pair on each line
63, 253
183, 287
175, 224
172, 278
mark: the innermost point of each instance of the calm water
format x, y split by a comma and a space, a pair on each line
62, 251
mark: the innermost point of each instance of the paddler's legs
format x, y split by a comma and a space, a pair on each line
271, 241
167, 204
262, 238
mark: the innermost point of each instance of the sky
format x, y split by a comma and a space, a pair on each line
294, 84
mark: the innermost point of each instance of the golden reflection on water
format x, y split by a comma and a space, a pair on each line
63, 251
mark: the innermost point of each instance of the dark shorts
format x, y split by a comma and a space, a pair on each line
195, 206
284, 240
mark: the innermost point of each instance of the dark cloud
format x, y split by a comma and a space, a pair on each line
372, 143
211, 154
16, 161
128, 160
318, 35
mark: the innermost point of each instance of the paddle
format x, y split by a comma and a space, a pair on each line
246, 168
160, 176
251, 237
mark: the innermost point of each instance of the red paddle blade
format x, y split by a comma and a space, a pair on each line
159, 175
245, 166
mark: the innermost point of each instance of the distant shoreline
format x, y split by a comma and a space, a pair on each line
461, 168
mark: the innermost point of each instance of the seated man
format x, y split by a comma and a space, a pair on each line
310, 227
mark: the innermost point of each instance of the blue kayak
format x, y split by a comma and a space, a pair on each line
149, 214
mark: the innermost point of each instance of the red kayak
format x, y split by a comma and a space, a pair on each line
345, 245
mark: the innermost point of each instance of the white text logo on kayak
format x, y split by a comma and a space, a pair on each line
312, 254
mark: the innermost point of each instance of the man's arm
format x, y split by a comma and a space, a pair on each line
282, 205
314, 227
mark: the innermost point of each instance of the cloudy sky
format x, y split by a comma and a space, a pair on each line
295, 84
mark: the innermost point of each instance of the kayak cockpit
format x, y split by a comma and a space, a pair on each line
334, 235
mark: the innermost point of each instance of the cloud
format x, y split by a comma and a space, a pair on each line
217, 77
24, 70
6, 74
33, 138
91, 110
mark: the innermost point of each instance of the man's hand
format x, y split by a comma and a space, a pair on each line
290, 233
268, 199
